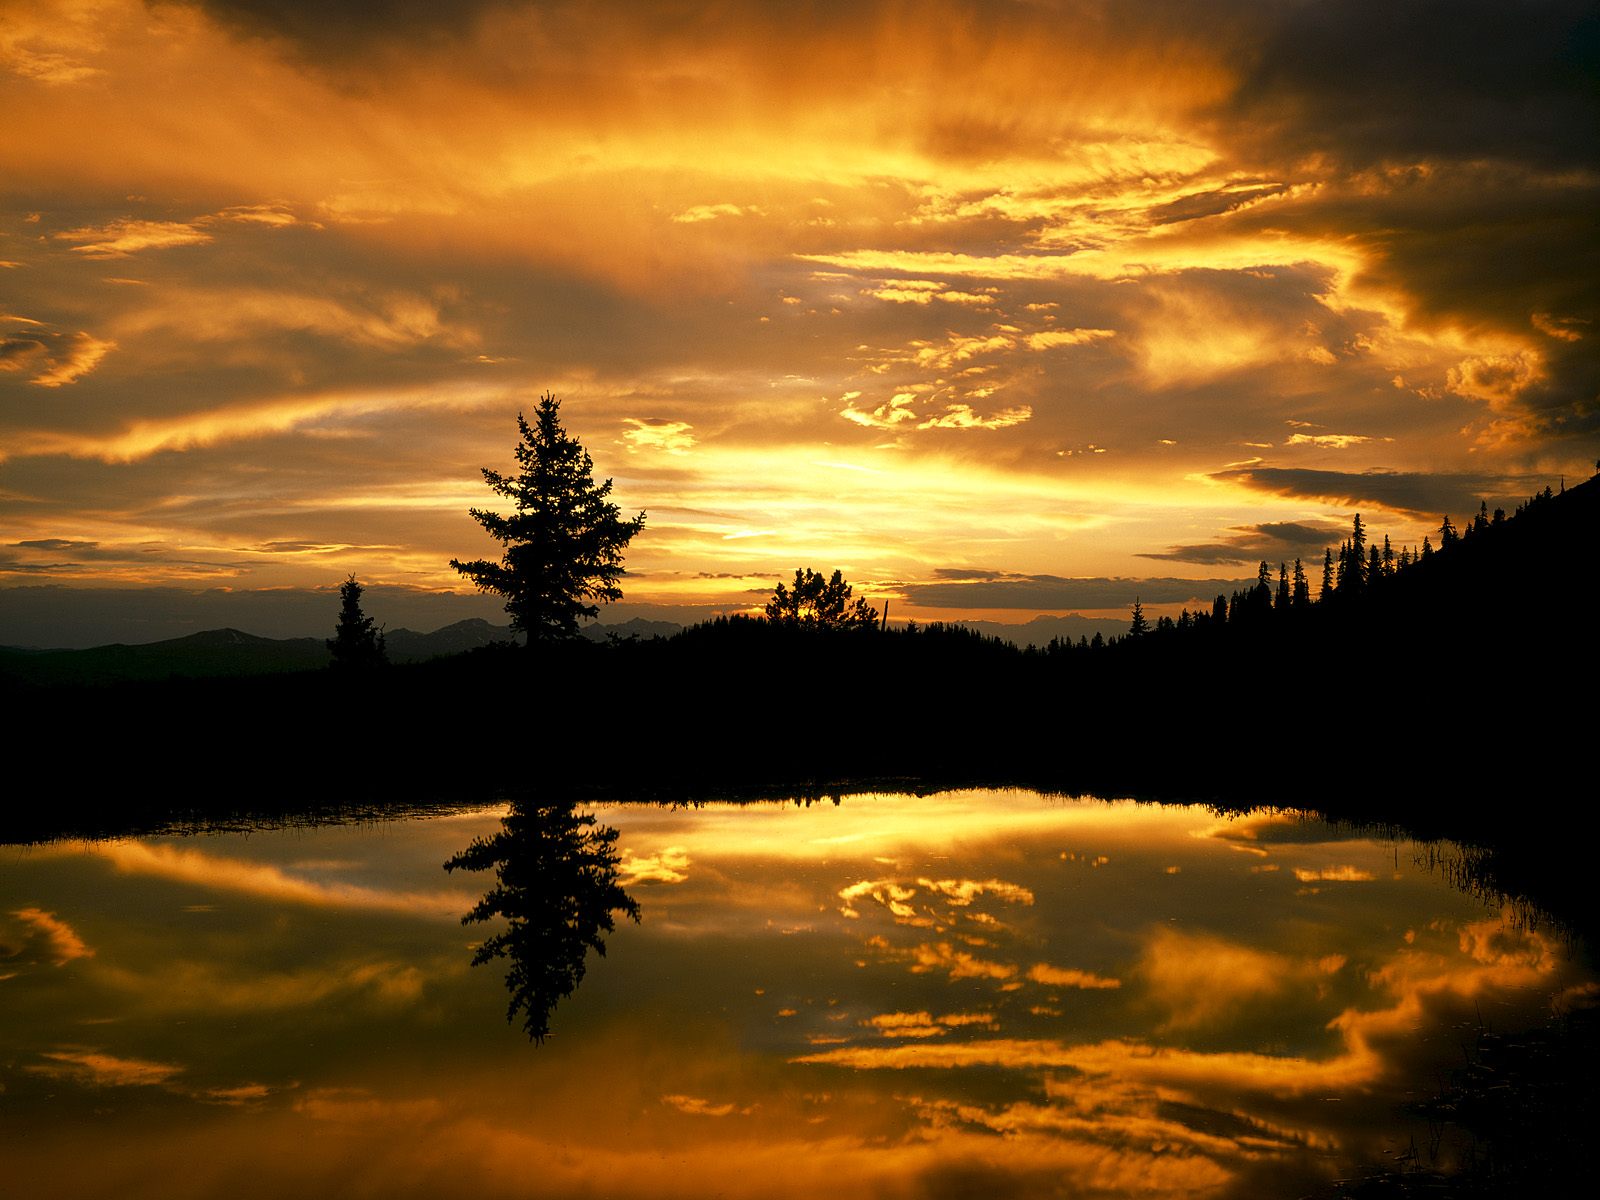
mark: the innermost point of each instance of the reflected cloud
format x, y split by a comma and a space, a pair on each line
958, 964
669, 865
1070, 978
1201, 981
755, 1035
42, 937
1343, 874
91, 1067
199, 869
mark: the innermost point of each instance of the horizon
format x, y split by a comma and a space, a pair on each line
1003, 310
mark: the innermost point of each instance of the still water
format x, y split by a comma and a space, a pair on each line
973, 993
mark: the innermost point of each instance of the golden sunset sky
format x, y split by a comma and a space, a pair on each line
1003, 308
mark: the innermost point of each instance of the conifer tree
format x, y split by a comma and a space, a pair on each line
564, 541
1139, 626
357, 643
1301, 595
1358, 556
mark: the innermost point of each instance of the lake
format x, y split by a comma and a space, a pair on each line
976, 993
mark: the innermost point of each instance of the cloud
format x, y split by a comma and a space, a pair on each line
92, 1067
944, 958
49, 358
926, 291
1203, 981
668, 865
1371, 83
696, 1106
924, 1025
217, 872
40, 936
1067, 977
1419, 494
963, 590
668, 437
1327, 441
1270, 541
710, 212
961, 416
121, 238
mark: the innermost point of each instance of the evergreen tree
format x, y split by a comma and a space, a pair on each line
1357, 575
1300, 598
564, 541
356, 643
1281, 601
1139, 626
1327, 577
1447, 534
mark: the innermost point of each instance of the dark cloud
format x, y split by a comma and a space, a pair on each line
337, 28
1274, 541
59, 544
993, 589
1459, 143
1212, 203
1412, 492
69, 556
1372, 81
15, 351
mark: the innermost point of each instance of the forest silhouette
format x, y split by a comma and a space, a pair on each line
1445, 687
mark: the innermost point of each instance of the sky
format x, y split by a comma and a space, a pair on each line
1002, 309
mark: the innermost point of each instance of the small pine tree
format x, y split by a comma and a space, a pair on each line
357, 643
1139, 626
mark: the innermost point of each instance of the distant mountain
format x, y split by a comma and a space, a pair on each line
199, 655
232, 652
406, 645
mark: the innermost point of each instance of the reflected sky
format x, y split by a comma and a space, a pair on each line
977, 993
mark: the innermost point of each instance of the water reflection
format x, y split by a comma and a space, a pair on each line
966, 994
556, 886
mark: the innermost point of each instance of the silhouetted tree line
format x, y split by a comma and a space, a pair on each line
1359, 571
1425, 688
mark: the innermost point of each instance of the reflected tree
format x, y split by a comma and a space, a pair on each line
557, 886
